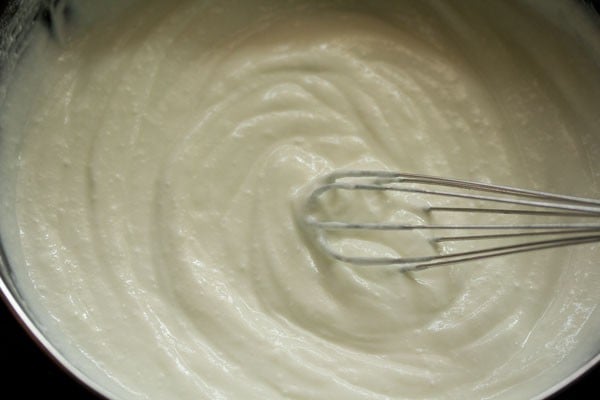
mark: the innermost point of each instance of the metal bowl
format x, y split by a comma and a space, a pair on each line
16, 21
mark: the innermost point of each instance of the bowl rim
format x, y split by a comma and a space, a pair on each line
31, 329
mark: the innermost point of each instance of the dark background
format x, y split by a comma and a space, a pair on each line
29, 372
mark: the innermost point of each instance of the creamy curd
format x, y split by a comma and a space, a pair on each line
152, 154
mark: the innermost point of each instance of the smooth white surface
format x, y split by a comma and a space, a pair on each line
160, 153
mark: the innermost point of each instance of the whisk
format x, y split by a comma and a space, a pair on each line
453, 201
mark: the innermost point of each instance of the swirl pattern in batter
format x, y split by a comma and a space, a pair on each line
165, 147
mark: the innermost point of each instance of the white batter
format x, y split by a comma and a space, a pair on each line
154, 159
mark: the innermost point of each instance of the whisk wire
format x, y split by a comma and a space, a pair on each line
529, 202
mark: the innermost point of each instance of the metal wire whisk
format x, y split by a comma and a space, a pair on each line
458, 197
